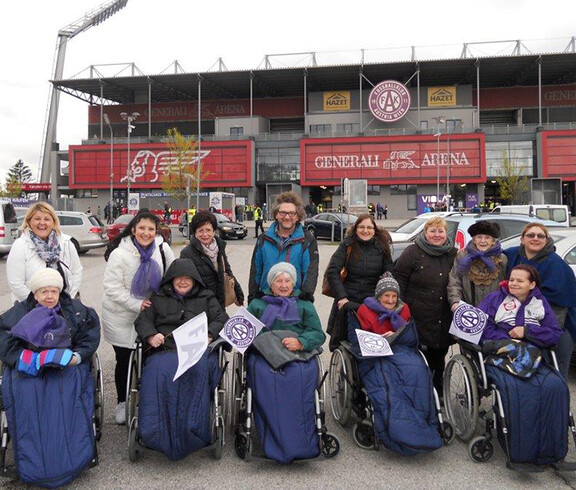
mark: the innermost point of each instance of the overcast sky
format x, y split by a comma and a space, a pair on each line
153, 34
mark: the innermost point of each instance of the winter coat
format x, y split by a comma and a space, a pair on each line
23, 261
169, 310
363, 272
83, 322
308, 331
461, 288
423, 281
300, 249
558, 284
212, 278
119, 307
534, 314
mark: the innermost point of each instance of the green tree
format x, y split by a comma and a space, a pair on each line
512, 181
12, 188
19, 172
182, 174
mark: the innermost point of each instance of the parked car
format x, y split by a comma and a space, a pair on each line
226, 227
8, 227
554, 212
121, 221
411, 228
458, 224
321, 225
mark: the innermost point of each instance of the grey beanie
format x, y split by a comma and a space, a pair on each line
279, 269
386, 283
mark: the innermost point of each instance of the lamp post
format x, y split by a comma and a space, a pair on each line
449, 168
437, 136
129, 118
107, 121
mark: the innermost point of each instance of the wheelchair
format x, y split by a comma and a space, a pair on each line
351, 405
242, 417
466, 384
10, 471
218, 406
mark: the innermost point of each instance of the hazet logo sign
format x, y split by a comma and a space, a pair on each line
441, 96
337, 101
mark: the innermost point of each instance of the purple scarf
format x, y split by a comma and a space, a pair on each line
384, 314
48, 250
485, 257
148, 276
280, 308
44, 328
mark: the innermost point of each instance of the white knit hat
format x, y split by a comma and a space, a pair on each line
279, 268
44, 278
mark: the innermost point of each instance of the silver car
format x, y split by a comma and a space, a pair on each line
87, 231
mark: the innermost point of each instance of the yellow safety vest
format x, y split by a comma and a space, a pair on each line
191, 212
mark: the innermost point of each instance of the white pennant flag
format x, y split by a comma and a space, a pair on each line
468, 323
241, 329
191, 340
373, 344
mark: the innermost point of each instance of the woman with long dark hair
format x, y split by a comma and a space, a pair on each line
134, 271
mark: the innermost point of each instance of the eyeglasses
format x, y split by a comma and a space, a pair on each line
283, 214
362, 227
540, 236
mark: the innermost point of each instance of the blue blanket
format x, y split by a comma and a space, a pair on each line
401, 392
536, 411
175, 417
50, 423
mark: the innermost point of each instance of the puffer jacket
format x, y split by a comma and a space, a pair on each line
23, 261
213, 278
363, 272
169, 310
119, 307
83, 322
461, 288
423, 281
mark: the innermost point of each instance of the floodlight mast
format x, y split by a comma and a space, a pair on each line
49, 163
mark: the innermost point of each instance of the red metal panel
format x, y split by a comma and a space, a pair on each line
559, 154
393, 160
229, 164
515, 97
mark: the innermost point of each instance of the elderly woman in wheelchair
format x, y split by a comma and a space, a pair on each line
49, 393
181, 416
515, 367
279, 380
391, 397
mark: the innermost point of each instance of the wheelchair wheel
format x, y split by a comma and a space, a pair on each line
219, 439
223, 388
96, 368
480, 450
364, 435
447, 432
340, 378
236, 389
330, 445
461, 396
133, 387
242, 445
133, 446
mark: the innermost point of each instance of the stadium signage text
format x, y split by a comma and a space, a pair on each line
441, 96
337, 101
389, 101
395, 160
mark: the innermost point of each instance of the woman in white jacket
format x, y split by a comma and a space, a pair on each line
134, 271
41, 245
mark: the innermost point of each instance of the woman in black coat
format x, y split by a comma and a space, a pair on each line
208, 252
423, 271
366, 255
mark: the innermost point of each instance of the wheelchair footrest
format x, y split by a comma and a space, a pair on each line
565, 466
526, 467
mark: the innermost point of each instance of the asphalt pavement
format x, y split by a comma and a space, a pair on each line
448, 468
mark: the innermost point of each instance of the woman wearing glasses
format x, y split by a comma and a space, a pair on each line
558, 282
365, 255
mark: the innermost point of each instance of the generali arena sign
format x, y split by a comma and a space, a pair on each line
228, 164
393, 160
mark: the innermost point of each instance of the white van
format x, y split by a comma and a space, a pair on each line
8, 226
553, 212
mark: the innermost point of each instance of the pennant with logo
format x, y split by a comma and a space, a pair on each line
241, 330
191, 340
373, 344
468, 323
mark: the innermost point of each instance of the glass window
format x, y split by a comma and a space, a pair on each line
373, 190
70, 221
278, 164
320, 128
402, 189
452, 125
520, 153
348, 127
570, 257
424, 125
236, 131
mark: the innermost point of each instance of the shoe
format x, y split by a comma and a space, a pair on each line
120, 413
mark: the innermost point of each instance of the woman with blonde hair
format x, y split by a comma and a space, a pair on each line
42, 244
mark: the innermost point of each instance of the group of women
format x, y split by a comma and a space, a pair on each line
432, 279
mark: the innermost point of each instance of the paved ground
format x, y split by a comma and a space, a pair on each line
446, 468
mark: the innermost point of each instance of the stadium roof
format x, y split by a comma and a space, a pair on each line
497, 71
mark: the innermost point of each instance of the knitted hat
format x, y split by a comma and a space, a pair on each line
386, 283
279, 269
44, 278
485, 228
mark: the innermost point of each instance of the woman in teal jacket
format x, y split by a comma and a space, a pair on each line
280, 309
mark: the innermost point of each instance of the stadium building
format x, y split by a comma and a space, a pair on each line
416, 130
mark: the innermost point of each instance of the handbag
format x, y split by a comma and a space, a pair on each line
326, 289
229, 287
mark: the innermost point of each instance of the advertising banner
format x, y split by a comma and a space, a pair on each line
337, 101
559, 154
441, 96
